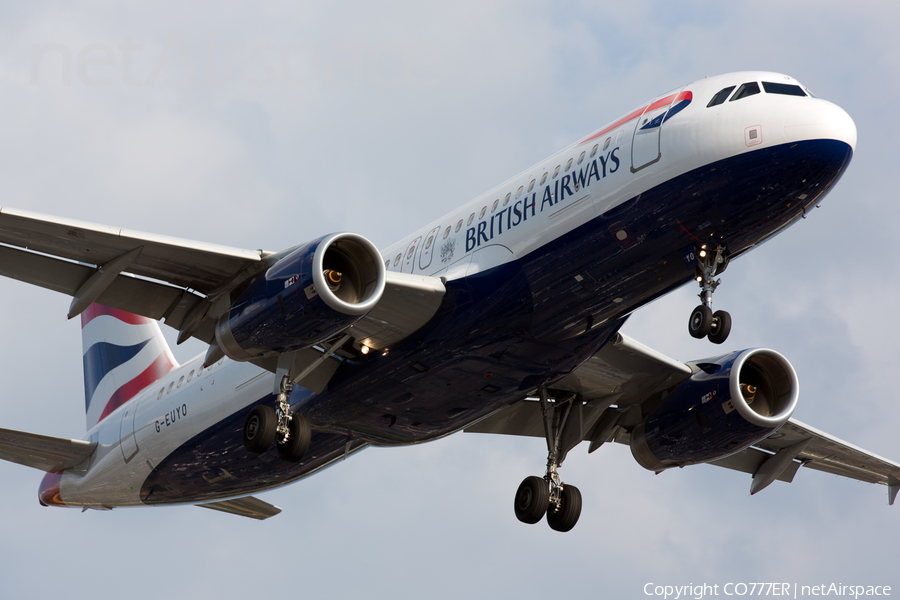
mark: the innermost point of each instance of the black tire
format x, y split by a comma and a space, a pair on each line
259, 429
700, 322
565, 518
298, 442
721, 327
532, 499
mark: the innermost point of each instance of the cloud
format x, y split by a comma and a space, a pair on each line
407, 111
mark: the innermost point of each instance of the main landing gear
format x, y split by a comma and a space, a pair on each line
265, 425
549, 495
704, 322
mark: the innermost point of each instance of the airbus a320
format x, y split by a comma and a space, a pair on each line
501, 317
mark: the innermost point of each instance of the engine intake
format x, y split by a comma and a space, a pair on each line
728, 405
312, 294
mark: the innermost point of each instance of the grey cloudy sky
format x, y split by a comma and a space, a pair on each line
265, 125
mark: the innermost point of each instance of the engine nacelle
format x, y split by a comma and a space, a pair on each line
731, 404
315, 292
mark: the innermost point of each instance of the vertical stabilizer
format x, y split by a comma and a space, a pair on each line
123, 354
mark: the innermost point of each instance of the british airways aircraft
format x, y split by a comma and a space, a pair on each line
500, 317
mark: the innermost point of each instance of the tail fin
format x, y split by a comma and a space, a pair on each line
123, 354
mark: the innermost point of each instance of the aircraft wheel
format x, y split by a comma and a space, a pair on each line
298, 442
700, 322
259, 429
532, 499
721, 327
565, 518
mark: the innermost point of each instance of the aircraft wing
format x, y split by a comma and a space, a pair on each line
624, 373
43, 452
184, 282
91, 263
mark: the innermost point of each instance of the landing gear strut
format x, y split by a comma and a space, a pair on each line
536, 496
265, 425
704, 322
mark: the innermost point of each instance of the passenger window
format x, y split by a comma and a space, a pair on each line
606, 143
447, 231
471, 218
506, 200
170, 387
555, 171
397, 259
410, 253
494, 205
428, 243
747, 89
594, 150
568, 165
581, 158
720, 97
159, 395
531, 185
481, 214
387, 264
544, 178
519, 191
190, 375
180, 381
783, 88
458, 226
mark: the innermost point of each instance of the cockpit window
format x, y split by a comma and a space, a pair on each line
720, 97
783, 88
746, 89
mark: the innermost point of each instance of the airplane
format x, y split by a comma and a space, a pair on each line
501, 317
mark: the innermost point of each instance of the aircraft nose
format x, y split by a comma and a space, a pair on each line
816, 119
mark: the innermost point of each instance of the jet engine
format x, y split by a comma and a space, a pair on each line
312, 294
731, 403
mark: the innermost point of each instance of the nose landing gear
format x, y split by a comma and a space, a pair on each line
703, 321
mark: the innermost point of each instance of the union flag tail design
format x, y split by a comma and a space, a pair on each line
123, 354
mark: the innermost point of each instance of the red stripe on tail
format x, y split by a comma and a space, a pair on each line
96, 310
126, 392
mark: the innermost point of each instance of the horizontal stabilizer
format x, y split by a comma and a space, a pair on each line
43, 452
248, 506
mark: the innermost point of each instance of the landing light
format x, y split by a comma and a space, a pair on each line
364, 349
699, 278
703, 254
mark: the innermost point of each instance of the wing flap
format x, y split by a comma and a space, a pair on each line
44, 452
183, 263
831, 455
248, 506
749, 460
139, 296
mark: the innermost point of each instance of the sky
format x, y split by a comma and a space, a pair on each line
265, 125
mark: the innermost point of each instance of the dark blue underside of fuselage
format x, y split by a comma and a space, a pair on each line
505, 332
